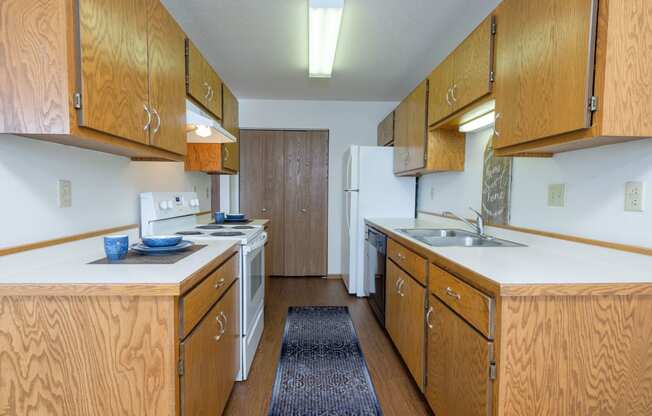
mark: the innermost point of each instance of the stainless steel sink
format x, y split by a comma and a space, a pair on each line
437, 237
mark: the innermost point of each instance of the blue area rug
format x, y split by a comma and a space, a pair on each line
322, 371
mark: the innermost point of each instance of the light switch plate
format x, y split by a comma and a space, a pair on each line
65, 193
634, 196
557, 195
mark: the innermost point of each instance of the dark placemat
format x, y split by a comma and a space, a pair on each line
136, 258
230, 222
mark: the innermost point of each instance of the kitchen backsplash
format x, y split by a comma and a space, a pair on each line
595, 190
105, 189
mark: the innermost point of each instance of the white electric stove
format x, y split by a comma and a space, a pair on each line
176, 213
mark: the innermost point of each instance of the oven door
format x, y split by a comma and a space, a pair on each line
254, 281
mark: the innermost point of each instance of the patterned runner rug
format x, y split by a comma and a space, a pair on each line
322, 370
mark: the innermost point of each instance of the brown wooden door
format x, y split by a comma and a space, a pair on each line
472, 66
392, 304
230, 109
167, 80
412, 300
113, 62
441, 80
401, 115
210, 356
544, 68
386, 130
197, 86
214, 100
458, 380
262, 188
417, 128
306, 187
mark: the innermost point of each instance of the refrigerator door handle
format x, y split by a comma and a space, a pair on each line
351, 190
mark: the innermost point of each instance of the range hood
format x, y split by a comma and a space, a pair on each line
201, 127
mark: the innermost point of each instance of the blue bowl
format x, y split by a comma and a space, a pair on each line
162, 240
116, 247
235, 216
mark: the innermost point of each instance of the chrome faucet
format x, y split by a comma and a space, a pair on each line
479, 221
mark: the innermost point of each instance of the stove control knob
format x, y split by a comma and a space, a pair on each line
194, 202
163, 205
170, 204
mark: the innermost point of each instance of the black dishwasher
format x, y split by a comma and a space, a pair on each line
375, 258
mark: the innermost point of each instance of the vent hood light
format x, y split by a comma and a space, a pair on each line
324, 20
478, 123
202, 128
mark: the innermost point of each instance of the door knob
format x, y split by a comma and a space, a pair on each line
304, 210
263, 210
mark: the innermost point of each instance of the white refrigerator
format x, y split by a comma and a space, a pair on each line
370, 190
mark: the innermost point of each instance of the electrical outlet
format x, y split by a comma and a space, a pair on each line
634, 194
557, 195
65, 193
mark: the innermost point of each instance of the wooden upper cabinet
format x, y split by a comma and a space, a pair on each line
386, 130
465, 76
230, 109
544, 68
114, 72
459, 380
203, 84
410, 139
167, 78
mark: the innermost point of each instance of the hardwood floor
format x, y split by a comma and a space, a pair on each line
397, 393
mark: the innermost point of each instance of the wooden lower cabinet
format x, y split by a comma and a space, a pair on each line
459, 358
210, 358
404, 318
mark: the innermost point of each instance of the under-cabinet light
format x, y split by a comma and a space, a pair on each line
478, 123
324, 21
203, 128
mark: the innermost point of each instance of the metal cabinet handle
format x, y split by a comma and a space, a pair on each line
428, 317
219, 283
400, 286
263, 210
208, 90
448, 99
496, 133
149, 117
226, 153
396, 284
453, 294
453, 93
219, 321
158, 121
226, 321
210, 97
304, 210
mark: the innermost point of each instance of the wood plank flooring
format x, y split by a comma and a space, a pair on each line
397, 393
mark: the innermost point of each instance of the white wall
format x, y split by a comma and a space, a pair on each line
595, 185
348, 123
105, 189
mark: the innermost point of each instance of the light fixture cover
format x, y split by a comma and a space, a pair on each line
478, 123
202, 128
324, 21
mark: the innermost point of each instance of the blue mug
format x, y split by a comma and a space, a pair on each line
219, 217
116, 247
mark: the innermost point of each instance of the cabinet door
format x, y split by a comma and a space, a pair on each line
230, 109
386, 130
544, 68
210, 355
417, 129
167, 80
196, 70
458, 380
472, 66
113, 63
412, 298
440, 104
401, 115
214, 99
392, 304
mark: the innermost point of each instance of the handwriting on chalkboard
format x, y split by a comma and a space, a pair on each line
496, 187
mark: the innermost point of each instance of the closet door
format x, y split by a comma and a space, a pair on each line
306, 181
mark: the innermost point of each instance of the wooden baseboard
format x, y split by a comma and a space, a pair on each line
333, 276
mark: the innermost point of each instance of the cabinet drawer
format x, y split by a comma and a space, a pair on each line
408, 260
200, 299
473, 305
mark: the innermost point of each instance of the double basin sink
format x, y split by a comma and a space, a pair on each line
455, 238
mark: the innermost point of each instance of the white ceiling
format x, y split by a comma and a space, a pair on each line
386, 47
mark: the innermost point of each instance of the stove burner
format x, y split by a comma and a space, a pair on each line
227, 234
243, 227
189, 233
210, 227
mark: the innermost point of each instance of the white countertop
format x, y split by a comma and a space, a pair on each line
546, 261
68, 264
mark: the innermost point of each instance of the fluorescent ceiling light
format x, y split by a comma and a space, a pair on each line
202, 128
324, 20
478, 123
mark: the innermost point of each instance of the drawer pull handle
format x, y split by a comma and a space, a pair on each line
452, 294
219, 321
428, 317
219, 283
400, 286
223, 315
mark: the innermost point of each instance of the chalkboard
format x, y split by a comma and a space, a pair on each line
496, 187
